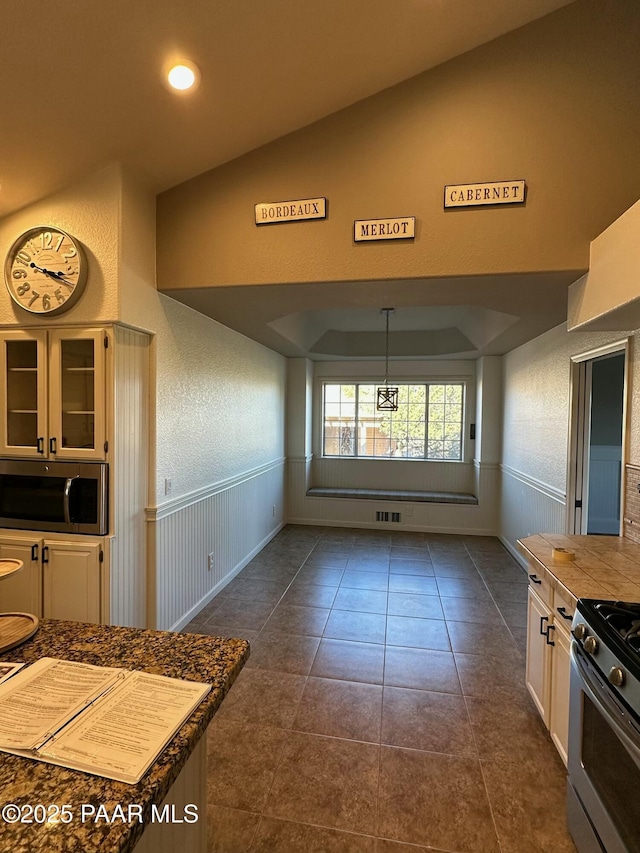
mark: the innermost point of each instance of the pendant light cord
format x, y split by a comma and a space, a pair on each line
386, 354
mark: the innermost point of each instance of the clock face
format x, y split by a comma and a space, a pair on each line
45, 271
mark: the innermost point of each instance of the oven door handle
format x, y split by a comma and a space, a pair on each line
608, 706
66, 498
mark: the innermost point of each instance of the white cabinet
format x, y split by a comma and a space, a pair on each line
538, 670
53, 393
60, 579
559, 694
71, 580
548, 661
22, 592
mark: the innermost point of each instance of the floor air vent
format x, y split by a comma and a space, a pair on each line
388, 516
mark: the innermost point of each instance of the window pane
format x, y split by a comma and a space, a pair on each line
331, 393
435, 409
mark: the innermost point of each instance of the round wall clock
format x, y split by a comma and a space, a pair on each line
45, 270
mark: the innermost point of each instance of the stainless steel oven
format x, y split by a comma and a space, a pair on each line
65, 497
603, 804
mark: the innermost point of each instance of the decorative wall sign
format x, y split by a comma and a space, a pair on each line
497, 192
384, 229
290, 211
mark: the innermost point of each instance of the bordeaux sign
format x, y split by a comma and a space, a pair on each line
384, 229
290, 211
497, 192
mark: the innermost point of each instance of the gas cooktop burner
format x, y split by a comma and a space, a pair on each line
623, 617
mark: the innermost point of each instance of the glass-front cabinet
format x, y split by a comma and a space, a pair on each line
53, 393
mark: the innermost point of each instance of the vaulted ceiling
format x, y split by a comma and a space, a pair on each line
81, 87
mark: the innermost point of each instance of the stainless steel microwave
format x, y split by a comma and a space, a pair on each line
65, 497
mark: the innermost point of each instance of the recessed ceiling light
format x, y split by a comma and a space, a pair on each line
184, 76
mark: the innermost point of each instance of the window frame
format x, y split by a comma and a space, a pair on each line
464, 381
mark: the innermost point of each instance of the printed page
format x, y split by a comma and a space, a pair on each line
44, 696
127, 729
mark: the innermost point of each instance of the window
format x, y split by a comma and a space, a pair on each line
427, 425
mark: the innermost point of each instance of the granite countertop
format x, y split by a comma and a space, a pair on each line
195, 657
606, 567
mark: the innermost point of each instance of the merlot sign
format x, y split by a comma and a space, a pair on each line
403, 228
270, 212
496, 192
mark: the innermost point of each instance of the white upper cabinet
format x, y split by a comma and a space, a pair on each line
53, 396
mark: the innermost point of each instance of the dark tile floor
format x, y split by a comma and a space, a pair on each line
383, 708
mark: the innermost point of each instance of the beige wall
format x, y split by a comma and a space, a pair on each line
555, 103
608, 296
90, 210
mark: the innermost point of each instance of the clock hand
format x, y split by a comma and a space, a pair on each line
52, 274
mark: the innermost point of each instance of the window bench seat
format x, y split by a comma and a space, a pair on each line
393, 495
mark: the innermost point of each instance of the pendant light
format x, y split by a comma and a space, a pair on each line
387, 397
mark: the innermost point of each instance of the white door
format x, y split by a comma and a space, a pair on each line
71, 579
597, 439
538, 673
77, 394
23, 394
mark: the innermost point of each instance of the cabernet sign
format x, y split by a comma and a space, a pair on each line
497, 192
291, 211
403, 228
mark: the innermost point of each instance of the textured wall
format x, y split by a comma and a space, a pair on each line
536, 428
536, 403
219, 397
90, 211
220, 401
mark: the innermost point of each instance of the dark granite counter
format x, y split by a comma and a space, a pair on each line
195, 657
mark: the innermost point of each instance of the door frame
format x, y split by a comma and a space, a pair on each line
579, 428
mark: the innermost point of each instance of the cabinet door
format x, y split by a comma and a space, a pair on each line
538, 673
560, 674
22, 592
23, 395
71, 577
77, 397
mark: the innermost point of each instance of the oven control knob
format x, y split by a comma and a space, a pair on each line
580, 631
617, 676
591, 645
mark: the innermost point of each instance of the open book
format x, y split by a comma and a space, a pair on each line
106, 721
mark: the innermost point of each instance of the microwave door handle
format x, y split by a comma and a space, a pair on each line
67, 494
607, 707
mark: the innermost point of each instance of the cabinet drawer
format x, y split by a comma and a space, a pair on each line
564, 606
539, 582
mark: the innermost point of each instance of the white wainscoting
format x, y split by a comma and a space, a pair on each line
393, 474
418, 516
528, 506
124, 590
233, 520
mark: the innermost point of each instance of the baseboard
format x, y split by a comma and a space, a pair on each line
398, 528
513, 551
197, 607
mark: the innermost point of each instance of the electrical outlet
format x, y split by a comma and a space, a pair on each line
167, 486
273, 511
210, 561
